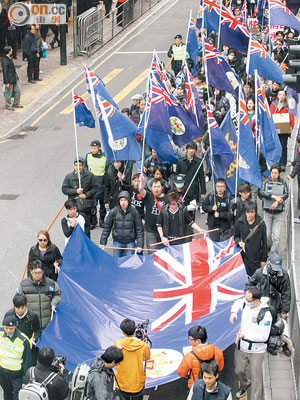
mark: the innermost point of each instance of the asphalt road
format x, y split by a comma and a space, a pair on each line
33, 167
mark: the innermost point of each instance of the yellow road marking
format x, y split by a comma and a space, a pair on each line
7, 140
131, 86
36, 92
103, 61
115, 72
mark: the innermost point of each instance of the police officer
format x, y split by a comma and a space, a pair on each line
95, 162
15, 357
177, 50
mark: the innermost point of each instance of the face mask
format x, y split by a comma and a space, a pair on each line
179, 185
230, 57
248, 304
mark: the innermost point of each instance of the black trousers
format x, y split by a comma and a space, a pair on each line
107, 4
10, 386
32, 66
44, 31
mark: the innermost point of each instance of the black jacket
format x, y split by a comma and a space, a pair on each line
68, 230
29, 324
221, 391
57, 389
237, 209
189, 168
223, 222
100, 381
113, 186
127, 226
296, 165
9, 71
277, 288
29, 44
48, 259
256, 247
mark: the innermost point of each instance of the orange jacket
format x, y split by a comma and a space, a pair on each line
190, 362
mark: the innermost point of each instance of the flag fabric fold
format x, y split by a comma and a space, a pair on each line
98, 87
282, 15
192, 43
83, 115
233, 33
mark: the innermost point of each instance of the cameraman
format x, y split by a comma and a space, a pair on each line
130, 374
58, 389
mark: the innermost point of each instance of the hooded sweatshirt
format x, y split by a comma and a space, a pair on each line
100, 381
130, 374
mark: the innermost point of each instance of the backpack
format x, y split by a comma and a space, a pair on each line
35, 390
201, 362
79, 382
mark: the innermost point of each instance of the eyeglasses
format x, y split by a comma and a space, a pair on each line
172, 204
43, 240
37, 273
191, 339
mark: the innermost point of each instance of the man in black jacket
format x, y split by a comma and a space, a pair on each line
10, 80
32, 54
73, 218
216, 205
126, 223
116, 180
83, 192
273, 282
250, 234
58, 388
100, 381
188, 166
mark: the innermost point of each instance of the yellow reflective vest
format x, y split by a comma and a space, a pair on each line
96, 165
14, 350
179, 52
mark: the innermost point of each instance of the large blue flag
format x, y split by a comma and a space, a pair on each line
259, 59
83, 115
219, 72
282, 15
115, 146
248, 164
176, 288
269, 142
192, 43
233, 33
211, 15
220, 149
98, 87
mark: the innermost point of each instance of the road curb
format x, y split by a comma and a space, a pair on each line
267, 378
96, 60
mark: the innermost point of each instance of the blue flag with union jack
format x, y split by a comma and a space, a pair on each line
220, 149
98, 87
192, 43
282, 15
269, 143
233, 33
211, 15
259, 59
83, 115
175, 289
118, 133
248, 164
192, 102
219, 72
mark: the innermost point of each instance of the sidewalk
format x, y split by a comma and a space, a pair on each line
57, 79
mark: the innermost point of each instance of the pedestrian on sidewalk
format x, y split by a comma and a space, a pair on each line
31, 53
11, 80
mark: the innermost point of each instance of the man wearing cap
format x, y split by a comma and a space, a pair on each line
135, 108
177, 52
95, 162
274, 282
15, 357
188, 199
83, 192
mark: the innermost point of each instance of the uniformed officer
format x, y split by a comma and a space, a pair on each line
177, 50
95, 162
15, 357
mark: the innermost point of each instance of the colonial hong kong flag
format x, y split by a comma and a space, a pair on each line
259, 59
176, 288
95, 86
219, 72
281, 14
233, 33
192, 43
192, 101
83, 115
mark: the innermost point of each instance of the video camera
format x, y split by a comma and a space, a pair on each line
141, 330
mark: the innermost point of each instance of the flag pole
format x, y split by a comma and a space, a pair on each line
237, 147
209, 132
187, 35
220, 17
257, 139
188, 77
269, 23
204, 155
146, 119
76, 141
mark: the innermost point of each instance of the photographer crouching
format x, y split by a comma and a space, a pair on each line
130, 375
47, 363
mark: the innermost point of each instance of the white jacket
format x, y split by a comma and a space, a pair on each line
250, 328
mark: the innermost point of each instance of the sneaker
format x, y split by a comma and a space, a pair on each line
9, 108
31, 82
297, 220
37, 80
18, 106
201, 210
241, 393
207, 179
41, 72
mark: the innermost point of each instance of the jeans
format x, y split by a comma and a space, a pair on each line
10, 386
131, 396
274, 223
123, 253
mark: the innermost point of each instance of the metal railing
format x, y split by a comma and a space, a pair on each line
94, 29
294, 314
